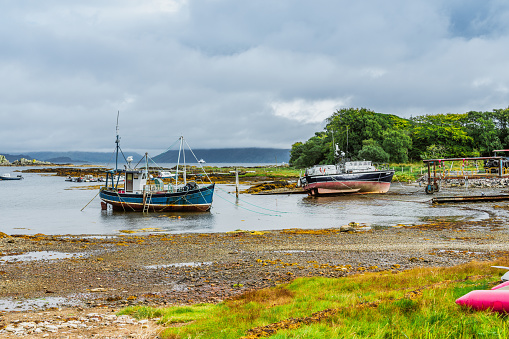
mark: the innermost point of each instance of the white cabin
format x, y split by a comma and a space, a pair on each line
359, 166
347, 167
135, 181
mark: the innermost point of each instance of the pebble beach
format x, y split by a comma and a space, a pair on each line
103, 274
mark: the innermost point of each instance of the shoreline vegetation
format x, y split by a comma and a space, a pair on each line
365, 134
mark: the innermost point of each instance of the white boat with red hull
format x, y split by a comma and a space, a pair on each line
346, 178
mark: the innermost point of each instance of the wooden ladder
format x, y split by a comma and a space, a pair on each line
146, 201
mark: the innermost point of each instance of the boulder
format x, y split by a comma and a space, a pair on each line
4, 161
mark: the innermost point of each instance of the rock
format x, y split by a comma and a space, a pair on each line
4, 161
346, 228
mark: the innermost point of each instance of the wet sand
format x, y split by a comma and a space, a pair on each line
108, 273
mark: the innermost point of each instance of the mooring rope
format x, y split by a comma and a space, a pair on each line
247, 209
263, 208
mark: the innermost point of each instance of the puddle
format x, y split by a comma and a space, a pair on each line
292, 251
181, 264
441, 218
10, 304
92, 237
41, 255
459, 252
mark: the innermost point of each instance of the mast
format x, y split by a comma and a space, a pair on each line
178, 163
146, 163
117, 141
347, 141
184, 158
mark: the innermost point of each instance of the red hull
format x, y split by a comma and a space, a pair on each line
341, 187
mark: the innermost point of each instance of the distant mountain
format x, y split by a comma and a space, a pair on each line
229, 155
220, 155
76, 157
63, 160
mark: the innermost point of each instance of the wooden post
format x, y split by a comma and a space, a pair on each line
236, 182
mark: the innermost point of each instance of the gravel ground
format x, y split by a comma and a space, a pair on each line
83, 275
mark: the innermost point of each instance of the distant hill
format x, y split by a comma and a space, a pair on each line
220, 155
78, 157
230, 155
63, 160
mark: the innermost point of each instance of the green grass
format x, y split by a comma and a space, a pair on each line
418, 303
171, 315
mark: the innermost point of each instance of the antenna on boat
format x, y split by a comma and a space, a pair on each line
346, 151
117, 141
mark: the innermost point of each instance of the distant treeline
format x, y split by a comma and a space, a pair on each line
364, 134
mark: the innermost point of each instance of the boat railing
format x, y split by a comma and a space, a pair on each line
154, 188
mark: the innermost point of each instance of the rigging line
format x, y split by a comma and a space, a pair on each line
123, 202
197, 160
156, 164
277, 215
169, 148
263, 208
187, 200
273, 215
143, 157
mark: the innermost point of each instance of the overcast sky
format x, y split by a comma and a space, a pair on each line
233, 73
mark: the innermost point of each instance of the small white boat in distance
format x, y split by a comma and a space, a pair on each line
163, 174
7, 176
201, 161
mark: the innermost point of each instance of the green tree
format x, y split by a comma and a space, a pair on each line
396, 143
317, 150
350, 126
481, 127
371, 150
501, 120
435, 152
446, 130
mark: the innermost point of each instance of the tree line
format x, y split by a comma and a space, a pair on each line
365, 134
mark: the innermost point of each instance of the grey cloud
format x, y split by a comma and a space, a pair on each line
211, 70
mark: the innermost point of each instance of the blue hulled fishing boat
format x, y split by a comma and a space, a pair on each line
141, 192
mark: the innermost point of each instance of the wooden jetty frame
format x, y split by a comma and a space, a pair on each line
435, 176
472, 198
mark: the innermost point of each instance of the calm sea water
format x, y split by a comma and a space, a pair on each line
47, 204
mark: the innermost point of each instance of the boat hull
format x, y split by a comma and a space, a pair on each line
196, 200
10, 178
348, 183
494, 300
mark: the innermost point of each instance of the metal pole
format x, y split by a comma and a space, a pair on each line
236, 182
178, 163
184, 159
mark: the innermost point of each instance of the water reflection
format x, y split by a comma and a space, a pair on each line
169, 222
40, 255
10, 304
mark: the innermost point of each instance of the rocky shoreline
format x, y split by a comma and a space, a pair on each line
106, 273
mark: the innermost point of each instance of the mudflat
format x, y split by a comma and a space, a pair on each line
103, 274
